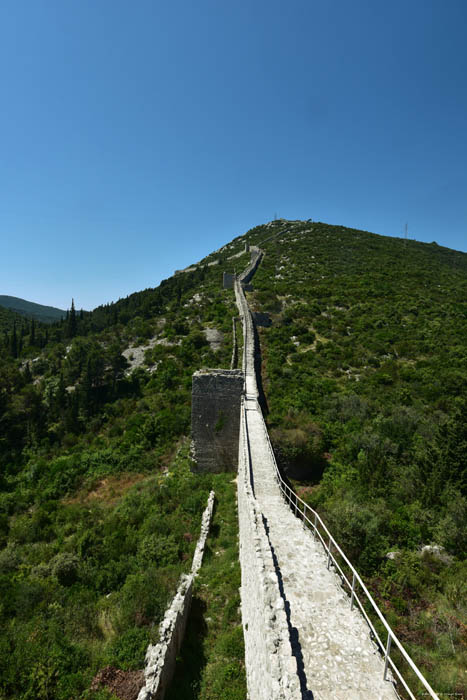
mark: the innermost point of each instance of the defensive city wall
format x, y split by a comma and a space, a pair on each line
271, 667
220, 401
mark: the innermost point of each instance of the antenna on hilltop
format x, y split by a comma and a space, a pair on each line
405, 234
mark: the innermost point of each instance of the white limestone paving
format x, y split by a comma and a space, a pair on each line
336, 658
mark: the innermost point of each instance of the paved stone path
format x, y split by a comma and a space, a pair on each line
331, 642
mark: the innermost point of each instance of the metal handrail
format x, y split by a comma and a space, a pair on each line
331, 543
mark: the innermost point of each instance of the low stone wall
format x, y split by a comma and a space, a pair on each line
271, 667
161, 657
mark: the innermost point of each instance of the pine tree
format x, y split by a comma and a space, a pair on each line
20, 340
14, 342
72, 323
27, 374
32, 336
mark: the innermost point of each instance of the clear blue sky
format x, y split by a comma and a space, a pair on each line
138, 136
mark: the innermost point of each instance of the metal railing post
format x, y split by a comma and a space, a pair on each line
353, 591
386, 657
329, 552
315, 528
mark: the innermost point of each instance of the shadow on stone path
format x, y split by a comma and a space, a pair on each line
293, 631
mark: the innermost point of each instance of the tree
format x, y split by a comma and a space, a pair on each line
72, 323
32, 336
14, 342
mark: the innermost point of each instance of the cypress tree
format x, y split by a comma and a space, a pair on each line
72, 323
20, 341
27, 374
14, 342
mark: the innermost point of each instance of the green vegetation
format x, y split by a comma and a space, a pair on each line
211, 662
365, 372
99, 512
39, 312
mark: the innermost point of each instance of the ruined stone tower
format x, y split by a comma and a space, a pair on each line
215, 419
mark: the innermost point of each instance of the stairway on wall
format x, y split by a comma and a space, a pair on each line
335, 656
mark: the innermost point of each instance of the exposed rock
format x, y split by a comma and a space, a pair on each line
393, 555
214, 338
437, 552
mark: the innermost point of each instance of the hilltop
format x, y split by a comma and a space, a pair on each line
364, 377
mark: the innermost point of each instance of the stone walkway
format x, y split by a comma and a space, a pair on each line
335, 656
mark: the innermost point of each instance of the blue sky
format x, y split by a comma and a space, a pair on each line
136, 137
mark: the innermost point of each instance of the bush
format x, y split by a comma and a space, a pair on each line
65, 568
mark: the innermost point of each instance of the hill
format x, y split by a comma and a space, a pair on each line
39, 312
364, 376
8, 319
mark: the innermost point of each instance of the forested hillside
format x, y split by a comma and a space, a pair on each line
365, 374
29, 309
99, 512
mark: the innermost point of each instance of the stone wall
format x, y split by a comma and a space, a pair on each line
215, 419
161, 657
234, 359
270, 665
248, 272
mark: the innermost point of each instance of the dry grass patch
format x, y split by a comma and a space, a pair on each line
109, 490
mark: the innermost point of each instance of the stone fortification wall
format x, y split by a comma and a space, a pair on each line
248, 272
161, 657
271, 667
215, 419
248, 361
234, 359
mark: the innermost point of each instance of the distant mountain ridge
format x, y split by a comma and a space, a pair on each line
46, 314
